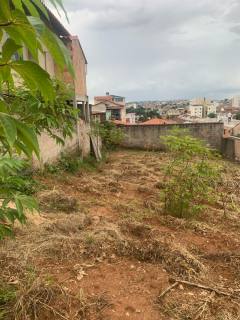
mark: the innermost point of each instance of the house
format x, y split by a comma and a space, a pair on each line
236, 102
196, 111
49, 149
202, 107
79, 62
174, 112
131, 118
109, 107
232, 129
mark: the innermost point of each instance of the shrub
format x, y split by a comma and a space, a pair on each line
212, 115
190, 177
72, 164
111, 135
7, 299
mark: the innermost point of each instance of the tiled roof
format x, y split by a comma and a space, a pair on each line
103, 98
157, 121
108, 102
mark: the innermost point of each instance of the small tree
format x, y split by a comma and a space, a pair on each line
238, 116
24, 25
190, 176
212, 115
111, 135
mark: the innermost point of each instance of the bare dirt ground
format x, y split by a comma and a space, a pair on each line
102, 248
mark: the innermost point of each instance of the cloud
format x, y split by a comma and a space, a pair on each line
159, 49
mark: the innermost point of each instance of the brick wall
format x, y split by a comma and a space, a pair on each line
50, 151
148, 136
231, 148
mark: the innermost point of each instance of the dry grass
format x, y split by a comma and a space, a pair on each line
199, 306
116, 212
40, 299
56, 200
176, 259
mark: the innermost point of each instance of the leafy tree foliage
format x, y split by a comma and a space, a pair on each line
191, 175
37, 106
144, 114
238, 116
57, 117
111, 135
212, 115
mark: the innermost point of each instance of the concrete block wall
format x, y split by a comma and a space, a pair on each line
50, 151
231, 148
148, 136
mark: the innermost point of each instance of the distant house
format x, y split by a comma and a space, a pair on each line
232, 129
202, 107
131, 118
109, 107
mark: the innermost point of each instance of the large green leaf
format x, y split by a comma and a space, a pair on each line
31, 8
28, 137
28, 202
5, 73
22, 32
9, 166
35, 77
5, 12
3, 106
8, 49
41, 7
9, 128
57, 49
18, 5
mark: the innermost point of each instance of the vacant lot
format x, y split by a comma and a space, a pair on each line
102, 248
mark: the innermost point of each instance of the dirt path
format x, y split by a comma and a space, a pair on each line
103, 249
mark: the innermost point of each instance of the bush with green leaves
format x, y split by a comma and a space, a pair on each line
212, 115
191, 175
112, 136
72, 164
13, 201
57, 117
24, 26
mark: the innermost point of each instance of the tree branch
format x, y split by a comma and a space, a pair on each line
6, 24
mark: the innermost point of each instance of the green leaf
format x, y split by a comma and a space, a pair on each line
20, 147
18, 5
5, 72
40, 6
20, 209
57, 49
35, 77
8, 49
9, 127
3, 106
28, 137
31, 8
28, 202
1, 34
22, 32
5, 12
10, 166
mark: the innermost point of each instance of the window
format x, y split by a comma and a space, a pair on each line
80, 106
16, 56
115, 114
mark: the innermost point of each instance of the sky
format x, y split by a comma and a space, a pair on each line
159, 49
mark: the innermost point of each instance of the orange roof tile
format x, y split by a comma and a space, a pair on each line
157, 121
103, 98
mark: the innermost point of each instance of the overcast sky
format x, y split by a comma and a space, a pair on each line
159, 49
